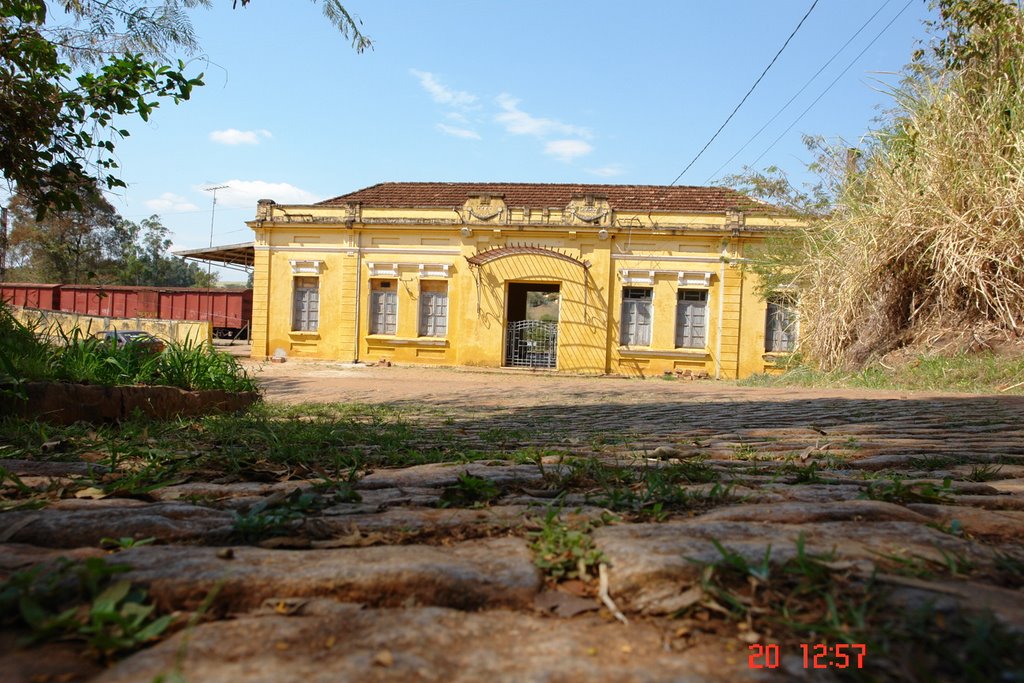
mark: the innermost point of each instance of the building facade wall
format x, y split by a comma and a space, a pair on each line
353, 252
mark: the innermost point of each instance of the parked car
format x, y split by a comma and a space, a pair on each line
137, 338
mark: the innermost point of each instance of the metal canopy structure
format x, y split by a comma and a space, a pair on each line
496, 253
240, 256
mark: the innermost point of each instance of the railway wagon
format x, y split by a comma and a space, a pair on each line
228, 309
29, 294
109, 301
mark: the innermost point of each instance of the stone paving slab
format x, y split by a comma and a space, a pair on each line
471, 575
339, 643
82, 522
653, 565
438, 475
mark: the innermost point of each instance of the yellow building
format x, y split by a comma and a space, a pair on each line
622, 279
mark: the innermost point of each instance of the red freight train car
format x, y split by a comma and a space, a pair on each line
112, 301
229, 309
30, 295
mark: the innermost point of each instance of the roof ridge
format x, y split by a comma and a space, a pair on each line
680, 198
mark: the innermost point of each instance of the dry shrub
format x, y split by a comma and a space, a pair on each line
927, 234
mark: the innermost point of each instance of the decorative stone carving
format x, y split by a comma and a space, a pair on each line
311, 267
264, 209
353, 212
486, 208
588, 210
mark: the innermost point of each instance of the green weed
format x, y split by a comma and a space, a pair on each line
896, 491
747, 452
469, 491
564, 551
803, 595
929, 463
82, 601
983, 372
271, 517
125, 542
806, 474
982, 473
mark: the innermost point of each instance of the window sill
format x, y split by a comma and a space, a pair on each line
313, 334
699, 354
776, 357
388, 340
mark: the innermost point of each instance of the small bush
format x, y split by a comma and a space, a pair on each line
33, 352
195, 365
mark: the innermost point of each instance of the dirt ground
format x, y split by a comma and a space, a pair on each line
299, 381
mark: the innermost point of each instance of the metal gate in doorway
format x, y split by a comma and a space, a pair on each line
531, 344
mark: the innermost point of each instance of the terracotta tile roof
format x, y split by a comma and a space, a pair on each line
545, 195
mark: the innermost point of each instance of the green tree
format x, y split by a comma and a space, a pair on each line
145, 259
58, 125
66, 246
72, 73
95, 245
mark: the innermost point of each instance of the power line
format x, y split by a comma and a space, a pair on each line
763, 73
836, 80
798, 92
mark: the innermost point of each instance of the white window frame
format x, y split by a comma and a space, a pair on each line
379, 296
632, 331
688, 302
433, 309
305, 304
780, 337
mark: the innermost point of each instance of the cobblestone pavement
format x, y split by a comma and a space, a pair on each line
705, 521
545, 409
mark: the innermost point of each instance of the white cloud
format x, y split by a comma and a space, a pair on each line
169, 201
458, 117
567, 150
518, 122
233, 136
243, 194
463, 133
609, 171
441, 93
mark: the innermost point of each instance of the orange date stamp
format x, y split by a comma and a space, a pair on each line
815, 655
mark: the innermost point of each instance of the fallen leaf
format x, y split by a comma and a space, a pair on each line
280, 606
54, 445
684, 600
285, 542
750, 637
563, 604
91, 493
574, 587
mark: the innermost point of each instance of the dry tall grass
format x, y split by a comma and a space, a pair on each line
928, 234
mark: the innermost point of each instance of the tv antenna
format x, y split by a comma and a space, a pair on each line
213, 214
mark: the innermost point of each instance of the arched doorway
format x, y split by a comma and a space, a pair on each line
531, 328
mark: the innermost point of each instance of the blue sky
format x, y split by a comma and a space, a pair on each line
526, 91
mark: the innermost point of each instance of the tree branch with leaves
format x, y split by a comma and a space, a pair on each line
69, 82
